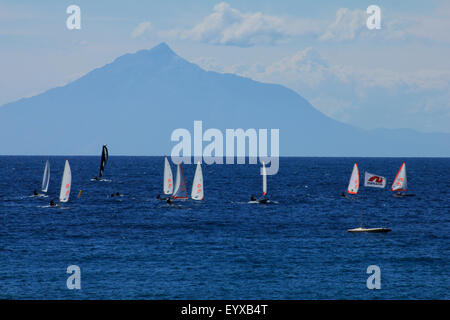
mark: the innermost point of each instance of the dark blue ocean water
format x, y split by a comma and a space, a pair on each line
136, 247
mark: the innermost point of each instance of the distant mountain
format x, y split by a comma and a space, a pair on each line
134, 103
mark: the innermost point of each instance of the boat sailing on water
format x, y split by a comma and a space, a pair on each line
45, 181
46, 177
262, 200
400, 183
103, 161
167, 180
197, 184
370, 180
66, 184
180, 191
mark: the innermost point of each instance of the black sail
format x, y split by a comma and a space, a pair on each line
104, 160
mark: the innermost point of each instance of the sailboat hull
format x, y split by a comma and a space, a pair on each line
374, 230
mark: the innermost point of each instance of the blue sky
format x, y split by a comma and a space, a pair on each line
395, 77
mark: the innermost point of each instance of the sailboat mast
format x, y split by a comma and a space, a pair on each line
362, 209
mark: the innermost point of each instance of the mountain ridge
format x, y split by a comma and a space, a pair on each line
157, 91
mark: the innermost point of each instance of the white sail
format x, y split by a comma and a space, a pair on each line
400, 183
66, 183
353, 184
264, 174
46, 177
168, 178
197, 185
180, 185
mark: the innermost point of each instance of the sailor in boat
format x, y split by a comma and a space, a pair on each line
343, 194
52, 203
117, 194
112, 195
35, 193
161, 198
95, 178
263, 201
169, 201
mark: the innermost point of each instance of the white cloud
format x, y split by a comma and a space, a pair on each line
416, 98
142, 28
347, 25
229, 26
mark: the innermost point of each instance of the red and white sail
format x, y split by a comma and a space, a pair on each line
180, 191
66, 183
197, 186
353, 184
400, 183
168, 178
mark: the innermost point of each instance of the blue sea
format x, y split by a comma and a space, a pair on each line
136, 247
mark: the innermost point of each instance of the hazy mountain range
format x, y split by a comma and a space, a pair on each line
134, 103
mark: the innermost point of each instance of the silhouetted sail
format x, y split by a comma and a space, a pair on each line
400, 183
103, 161
197, 186
180, 191
66, 183
46, 177
353, 184
264, 174
168, 178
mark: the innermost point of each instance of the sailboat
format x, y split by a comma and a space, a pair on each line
264, 188
353, 184
168, 178
103, 161
46, 177
197, 185
180, 191
400, 183
353, 187
66, 183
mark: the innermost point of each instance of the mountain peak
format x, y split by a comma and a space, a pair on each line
156, 57
162, 48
